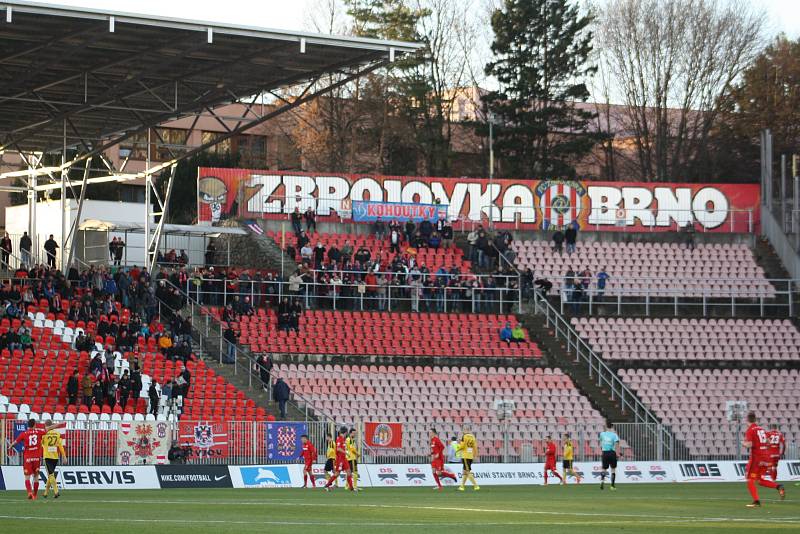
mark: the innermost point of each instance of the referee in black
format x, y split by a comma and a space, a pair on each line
609, 444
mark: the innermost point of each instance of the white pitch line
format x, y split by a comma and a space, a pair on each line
782, 520
349, 524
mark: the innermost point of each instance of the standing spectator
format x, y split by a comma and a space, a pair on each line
394, 242
280, 393
305, 253
481, 244
186, 378
111, 392
5, 249
472, 240
347, 252
98, 394
230, 338
447, 234
211, 251
136, 383
586, 278
689, 229
311, 220
426, 229
602, 278
297, 220
264, 368
86, 385
558, 241
319, 255
124, 389
166, 393
410, 229
50, 247
112, 248
73, 385
152, 393
25, 246
379, 229
571, 236
118, 253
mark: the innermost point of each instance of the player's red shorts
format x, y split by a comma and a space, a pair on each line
757, 468
437, 465
30, 466
341, 464
550, 464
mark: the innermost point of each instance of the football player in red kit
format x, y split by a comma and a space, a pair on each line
777, 446
550, 460
755, 439
309, 455
31, 440
437, 461
341, 463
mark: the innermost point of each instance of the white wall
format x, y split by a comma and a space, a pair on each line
48, 221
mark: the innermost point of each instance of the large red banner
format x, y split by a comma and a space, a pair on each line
524, 204
383, 435
205, 439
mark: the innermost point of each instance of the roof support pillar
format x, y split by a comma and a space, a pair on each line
64, 204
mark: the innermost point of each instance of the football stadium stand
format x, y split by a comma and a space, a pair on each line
695, 403
671, 340
545, 400
658, 269
432, 258
34, 379
385, 334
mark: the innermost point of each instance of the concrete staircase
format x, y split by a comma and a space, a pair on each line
255, 251
206, 346
556, 354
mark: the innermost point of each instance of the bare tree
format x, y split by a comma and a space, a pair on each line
670, 60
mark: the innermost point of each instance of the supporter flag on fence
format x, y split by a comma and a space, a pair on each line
283, 440
143, 442
19, 428
206, 439
383, 435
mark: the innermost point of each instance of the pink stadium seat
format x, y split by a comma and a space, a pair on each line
665, 269
694, 403
701, 339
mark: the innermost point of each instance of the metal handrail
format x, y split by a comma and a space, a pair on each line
252, 363
596, 366
486, 296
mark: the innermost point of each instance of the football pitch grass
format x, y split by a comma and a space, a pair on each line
651, 508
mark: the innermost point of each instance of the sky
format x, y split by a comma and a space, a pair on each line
783, 15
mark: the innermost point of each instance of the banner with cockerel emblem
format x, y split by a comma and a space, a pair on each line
143, 442
283, 441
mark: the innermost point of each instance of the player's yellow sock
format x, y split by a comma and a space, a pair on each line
47, 485
355, 480
55, 486
471, 478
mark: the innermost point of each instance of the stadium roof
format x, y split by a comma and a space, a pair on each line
171, 229
90, 75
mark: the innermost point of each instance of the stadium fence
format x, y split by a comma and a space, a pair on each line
245, 442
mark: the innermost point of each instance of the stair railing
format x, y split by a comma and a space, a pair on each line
211, 332
604, 375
